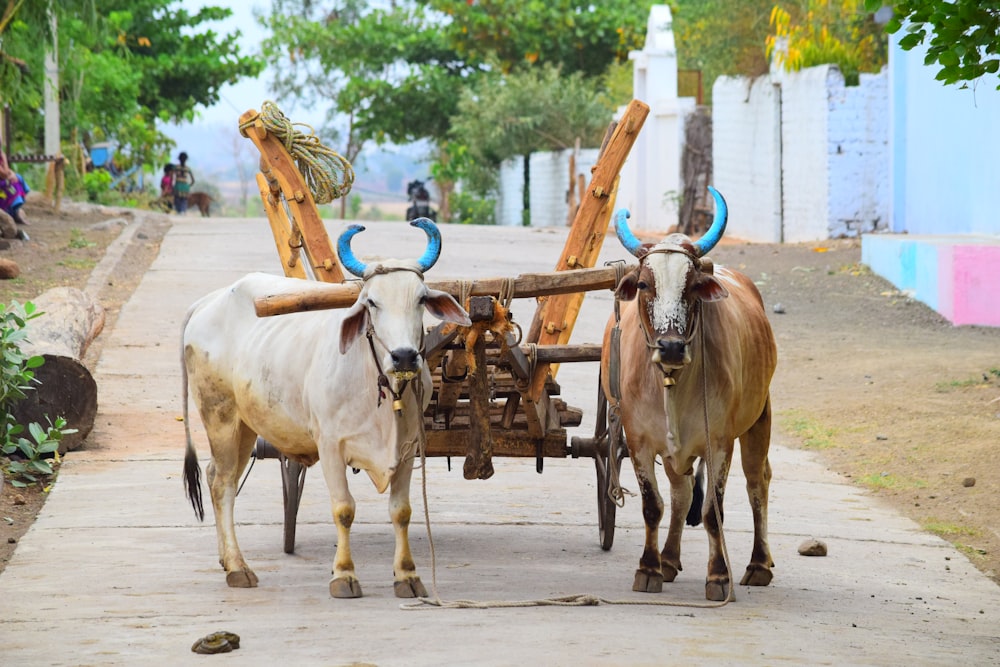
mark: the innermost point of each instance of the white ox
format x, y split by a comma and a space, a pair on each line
315, 395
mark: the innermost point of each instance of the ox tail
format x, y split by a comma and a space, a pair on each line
698, 498
192, 471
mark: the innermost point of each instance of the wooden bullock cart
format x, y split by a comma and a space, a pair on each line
510, 406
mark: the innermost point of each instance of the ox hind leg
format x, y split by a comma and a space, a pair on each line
754, 446
344, 582
231, 444
407, 584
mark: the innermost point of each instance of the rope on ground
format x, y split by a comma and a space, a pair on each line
328, 175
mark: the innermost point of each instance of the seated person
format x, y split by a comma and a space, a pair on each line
12, 191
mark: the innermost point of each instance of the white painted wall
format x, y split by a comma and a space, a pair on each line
549, 187
826, 142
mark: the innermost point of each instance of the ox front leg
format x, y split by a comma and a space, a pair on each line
681, 495
717, 583
649, 577
407, 584
344, 582
223, 472
754, 446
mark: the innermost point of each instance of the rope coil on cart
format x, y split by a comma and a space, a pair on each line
328, 174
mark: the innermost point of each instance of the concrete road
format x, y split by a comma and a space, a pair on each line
117, 571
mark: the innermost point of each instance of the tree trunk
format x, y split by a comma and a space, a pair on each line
696, 173
526, 194
71, 321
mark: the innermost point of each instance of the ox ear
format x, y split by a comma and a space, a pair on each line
353, 326
708, 288
444, 307
628, 287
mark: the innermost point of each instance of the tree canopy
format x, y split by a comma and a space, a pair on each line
124, 64
963, 36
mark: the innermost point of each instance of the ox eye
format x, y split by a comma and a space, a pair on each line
372, 304
642, 284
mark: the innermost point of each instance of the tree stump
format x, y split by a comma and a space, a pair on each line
71, 321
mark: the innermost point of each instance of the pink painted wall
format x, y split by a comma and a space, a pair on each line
975, 285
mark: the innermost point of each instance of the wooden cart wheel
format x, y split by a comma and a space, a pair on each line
609, 450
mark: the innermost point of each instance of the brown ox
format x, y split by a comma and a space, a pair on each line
697, 356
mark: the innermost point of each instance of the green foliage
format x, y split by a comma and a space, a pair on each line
34, 454
468, 209
96, 184
124, 65
518, 114
820, 32
16, 369
721, 37
16, 376
964, 35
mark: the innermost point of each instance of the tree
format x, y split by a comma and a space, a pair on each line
721, 37
524, 112
818, 32
125, 64
964, 35
401, 69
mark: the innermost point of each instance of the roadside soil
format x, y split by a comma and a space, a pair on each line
65, 247
883, 389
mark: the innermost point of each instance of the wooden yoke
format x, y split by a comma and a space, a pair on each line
281, 183
556, 315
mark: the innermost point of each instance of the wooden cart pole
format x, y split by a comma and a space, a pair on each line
556, 315
305, 230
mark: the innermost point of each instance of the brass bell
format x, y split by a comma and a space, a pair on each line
397, 405
668, 381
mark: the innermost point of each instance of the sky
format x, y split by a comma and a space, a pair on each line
248, 93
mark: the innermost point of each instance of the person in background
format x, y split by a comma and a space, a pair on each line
167, 187
182, 182
12, 191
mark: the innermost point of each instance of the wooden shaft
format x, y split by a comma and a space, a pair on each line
343, 295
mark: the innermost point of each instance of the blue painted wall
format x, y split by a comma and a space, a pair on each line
945, 150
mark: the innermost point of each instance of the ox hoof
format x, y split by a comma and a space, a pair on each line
646, 582
669, 571
756, 575
345, 588
716, 590
241, 579
410, 588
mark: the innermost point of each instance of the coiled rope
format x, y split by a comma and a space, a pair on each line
328, 174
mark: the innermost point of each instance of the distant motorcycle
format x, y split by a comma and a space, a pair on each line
420, 202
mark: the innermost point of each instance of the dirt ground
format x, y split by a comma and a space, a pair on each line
886, 391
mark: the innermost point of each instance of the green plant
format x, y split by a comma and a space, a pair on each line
34, 455
16, 377
96, 183
469, 209
78, 240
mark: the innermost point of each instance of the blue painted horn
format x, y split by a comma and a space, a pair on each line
433, 251
358, 268
625, 235
714, 233
346, 255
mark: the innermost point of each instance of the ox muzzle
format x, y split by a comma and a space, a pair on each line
671, 352
406, 362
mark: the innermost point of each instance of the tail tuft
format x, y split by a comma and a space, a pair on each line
192, 482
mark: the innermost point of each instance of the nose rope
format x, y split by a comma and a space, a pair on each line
383, 379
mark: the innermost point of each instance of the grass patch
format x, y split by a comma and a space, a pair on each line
885, 480
80, 264
947, 530
813, 434
78, 240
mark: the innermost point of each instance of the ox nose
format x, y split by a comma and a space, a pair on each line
671, 351
405, 359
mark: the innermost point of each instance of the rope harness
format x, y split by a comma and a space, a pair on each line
328, 174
